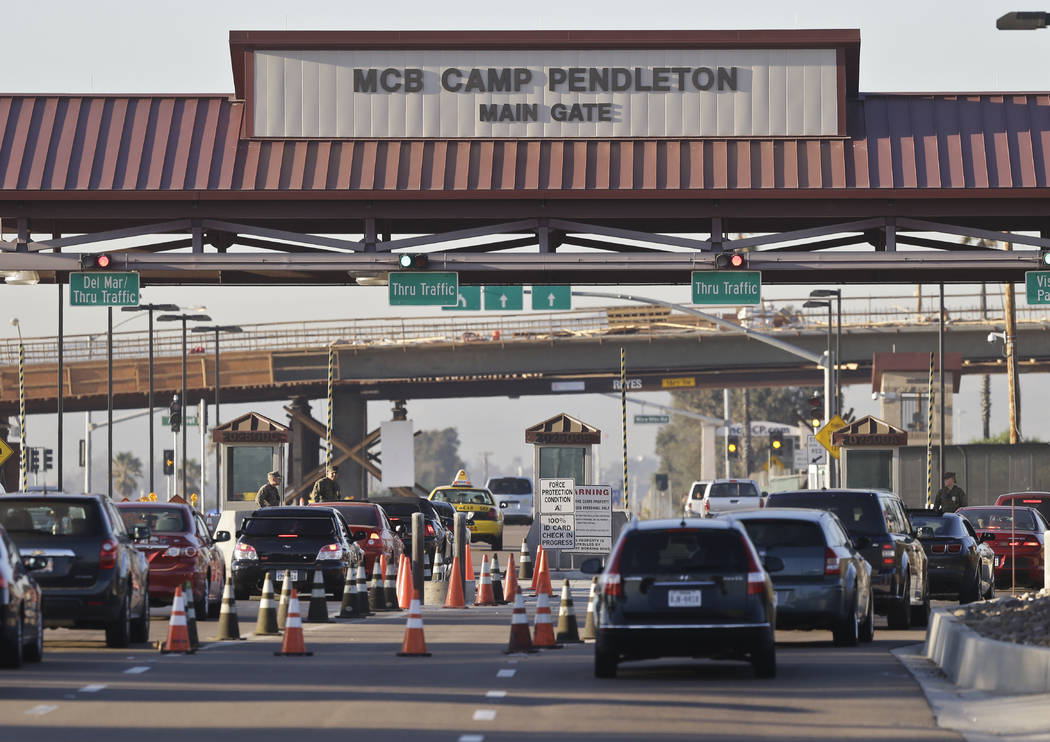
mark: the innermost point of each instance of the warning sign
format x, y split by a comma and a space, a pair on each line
593, 508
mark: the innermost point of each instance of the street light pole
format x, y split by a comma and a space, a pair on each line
829, 364
182, 397
218, 456
23, 461
836, 408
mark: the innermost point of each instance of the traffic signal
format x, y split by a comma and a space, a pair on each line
776, 441
169, 460
816, 410
48, 463
97, 262
733, 446
730, 260
412, 262
661, 482
34, 460
175, 414
1044, 258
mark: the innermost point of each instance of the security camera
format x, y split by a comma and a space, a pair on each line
875, 395
993, 336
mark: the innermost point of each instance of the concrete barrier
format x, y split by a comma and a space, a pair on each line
973, 661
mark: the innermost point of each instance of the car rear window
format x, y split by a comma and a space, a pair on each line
303, 527
362, 515
859, 512
698, 490
771, 533
51, 518
400, 509
464, 497
733, 489
160, 520
1000, 519
1042, 504
510, 486
940, 525
683, 550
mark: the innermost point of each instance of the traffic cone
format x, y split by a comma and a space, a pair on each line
543, 631
191, 618
415, 644
349, 605
375, 590
454, 595
293, 645
520, 641
543, 582
469, 566
590, 632
318, 611
286, 595
568, 631
362, 591
536, 567
178, 640
484, 595
229, 626
439, 567
266, 624
512, 590
404, 583
390, 584
497, 582
427, 574
524, 562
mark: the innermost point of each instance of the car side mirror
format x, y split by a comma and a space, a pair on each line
862, 542
358, 535
592, 566
140, 533
221, 536
987, 537
773, 564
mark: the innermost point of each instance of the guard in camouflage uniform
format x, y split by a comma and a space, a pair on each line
269, 496
951, 497
326, 489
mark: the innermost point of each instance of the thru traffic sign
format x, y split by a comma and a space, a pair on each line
103, 289
727, 287
423, 289
551, 298
469, 300
504, 298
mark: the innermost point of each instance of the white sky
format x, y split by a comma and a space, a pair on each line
111, 46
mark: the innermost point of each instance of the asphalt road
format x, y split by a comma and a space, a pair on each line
354, 686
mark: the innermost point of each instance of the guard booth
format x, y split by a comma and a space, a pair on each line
563, 447
249, 448
871, 456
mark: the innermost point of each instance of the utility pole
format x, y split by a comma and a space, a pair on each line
747, 433
725, 440
1013, 389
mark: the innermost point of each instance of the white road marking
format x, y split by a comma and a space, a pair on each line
505, 673
41, 709
496, 694
136, 670
512, 662
484, 714
472, 738
93, 688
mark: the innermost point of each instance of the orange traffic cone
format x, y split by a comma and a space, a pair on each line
415, 644
454, 597
511, 591
543, 631
536, 570
404, 583
520, 641
469, 566
485, 596
293, 645
178, 635
545, 577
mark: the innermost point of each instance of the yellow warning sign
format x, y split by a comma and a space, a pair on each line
6, 451
678, 383
823, 435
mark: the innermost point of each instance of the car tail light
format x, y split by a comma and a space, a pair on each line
832, 566
245, 551
332, 551
707, 507
756, 578
373, 536
761, 502
888, 556
173, 551
954, 548
611, 583
107, 555
937, 548
430, 529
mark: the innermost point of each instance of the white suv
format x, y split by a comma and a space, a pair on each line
514, 497
724, 495
694, 501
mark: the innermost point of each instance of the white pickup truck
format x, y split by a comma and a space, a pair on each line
722, 496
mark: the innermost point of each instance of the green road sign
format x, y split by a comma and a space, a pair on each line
652, 419
468, 300
551, 298
165, 420
727, 287
423, 289
103, 289
1037, 284
504, 298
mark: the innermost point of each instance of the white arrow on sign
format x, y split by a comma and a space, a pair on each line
550, 300
462, 300
503, 300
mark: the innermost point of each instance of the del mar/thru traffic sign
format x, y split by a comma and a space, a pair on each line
104, 289
468, 300
428, 289
1037, 285
504, 298
551, 298
727, 287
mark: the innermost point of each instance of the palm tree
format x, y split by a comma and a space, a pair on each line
126, 472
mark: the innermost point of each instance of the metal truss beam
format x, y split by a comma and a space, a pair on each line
805, 234
921, 225
177, 225
523, 225
280, 234
628, 234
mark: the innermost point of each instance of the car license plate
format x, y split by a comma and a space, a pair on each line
998, 561
683, 598
780, 597
293, 575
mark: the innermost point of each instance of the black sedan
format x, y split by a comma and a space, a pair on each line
21, 617
961, 564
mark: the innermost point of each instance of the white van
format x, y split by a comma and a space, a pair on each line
724, 495
514, 497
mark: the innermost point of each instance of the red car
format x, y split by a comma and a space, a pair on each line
1014, 533
379, 538
1038, 500
180, 549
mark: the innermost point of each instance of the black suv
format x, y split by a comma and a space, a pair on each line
399, 511
878, 524
298, 539
87, 566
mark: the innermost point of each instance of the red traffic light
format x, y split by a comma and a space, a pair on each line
730, 260
102, 261
736, 261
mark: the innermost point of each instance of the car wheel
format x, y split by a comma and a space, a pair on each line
899, 617
118, 633
140, 625
972, 592
497, 543
764, 658
200, 605
920, 614
867, 629
990, 594
605, 660
847, 632
11, 649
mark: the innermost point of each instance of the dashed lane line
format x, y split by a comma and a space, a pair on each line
484, 714
496, 694
138, 670
506, 673
472, 738
93, 688
40, 709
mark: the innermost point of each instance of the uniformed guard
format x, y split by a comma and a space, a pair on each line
951, 497
326, 489
269, 496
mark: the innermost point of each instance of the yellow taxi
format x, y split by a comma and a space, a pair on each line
484, 518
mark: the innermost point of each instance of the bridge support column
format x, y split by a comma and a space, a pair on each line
304, 452
708, 457
350, 425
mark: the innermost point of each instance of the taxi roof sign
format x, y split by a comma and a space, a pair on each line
461, 479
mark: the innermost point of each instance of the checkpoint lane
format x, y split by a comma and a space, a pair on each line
468, 687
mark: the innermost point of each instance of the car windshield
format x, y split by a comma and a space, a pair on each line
782, 532
157, 519
359, 515
464, 496
677, 551
51, 518
733, 489
1042, 504
1000, 519
858, 511
309, 527
940, 525
510, 486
